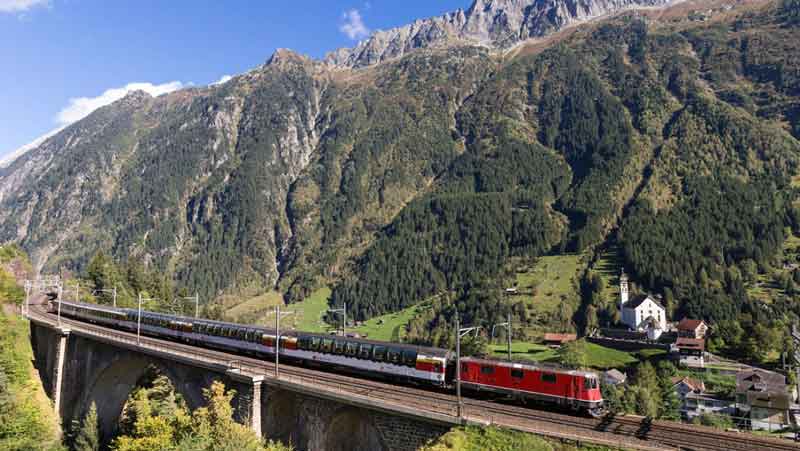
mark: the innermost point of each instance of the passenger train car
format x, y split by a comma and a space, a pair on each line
397, 362
402, 362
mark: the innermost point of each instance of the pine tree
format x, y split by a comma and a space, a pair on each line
88, 438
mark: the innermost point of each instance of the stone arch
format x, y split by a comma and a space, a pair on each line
114, 383
283, 418
352, 429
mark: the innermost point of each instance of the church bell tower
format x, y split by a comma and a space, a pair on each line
623, 290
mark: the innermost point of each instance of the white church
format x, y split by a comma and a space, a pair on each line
643, 313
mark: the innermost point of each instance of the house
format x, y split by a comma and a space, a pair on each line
683, 385
692, 328
643, 313
695, 401
556, 340
764, 397
691, 351
614, 377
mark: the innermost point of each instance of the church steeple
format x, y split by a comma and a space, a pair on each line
623, 290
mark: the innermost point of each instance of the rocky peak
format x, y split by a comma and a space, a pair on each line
283, 57
492, 23
137, 96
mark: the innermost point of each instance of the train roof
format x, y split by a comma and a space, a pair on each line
529, 366
435, 352
95, 307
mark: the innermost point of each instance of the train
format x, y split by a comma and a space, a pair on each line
400, 363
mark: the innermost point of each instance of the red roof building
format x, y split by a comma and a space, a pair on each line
692, 328
558, 339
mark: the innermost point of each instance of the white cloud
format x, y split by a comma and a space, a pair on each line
81, 107
15, 6
353, 26
224, 79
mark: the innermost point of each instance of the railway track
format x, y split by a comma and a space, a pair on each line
629, 432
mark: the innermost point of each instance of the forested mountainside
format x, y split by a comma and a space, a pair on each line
672, 132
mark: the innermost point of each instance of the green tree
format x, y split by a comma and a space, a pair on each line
612, 398
573, 354
670, 402
592, 322
88, 438
472, 345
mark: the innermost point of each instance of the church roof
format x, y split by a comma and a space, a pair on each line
639, 300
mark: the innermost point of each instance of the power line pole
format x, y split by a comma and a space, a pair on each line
508, 335
509, 329
458, 368
277, 346
139, 323
139, 320
460, 332
343, 311
60, 295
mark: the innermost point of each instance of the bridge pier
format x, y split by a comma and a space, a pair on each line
59, 368
248, 405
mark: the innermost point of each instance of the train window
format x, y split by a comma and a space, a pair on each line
365, 352
327, 345
393, 356
549, 378
464, 368
352, 349
590, 383
338, 347
303, 343
410, 358
517, 373
485, 369
314, 345
379, 353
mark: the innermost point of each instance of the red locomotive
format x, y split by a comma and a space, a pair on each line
579, 390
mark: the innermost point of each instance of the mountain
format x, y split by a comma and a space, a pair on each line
491, 23
425, 172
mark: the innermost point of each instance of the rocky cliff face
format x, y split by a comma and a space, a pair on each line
151, 177
492, 23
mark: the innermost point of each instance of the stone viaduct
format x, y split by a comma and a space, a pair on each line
79, 368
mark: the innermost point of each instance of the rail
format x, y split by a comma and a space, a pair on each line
626, 432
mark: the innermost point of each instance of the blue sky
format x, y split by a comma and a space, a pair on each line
63, 58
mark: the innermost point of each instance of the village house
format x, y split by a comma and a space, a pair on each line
691, 351
692, 328
696, 402
763, 396
643, 313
